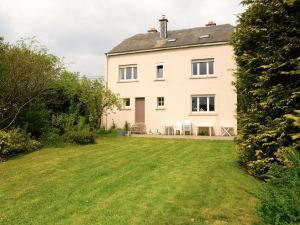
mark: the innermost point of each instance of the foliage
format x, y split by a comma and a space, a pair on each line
98, 100
35, 119
27, 71
52, 138
126, 126
281, 198
80, 137
40, 96
15, 142
267, 46
113, 126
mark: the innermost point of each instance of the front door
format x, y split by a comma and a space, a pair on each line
140, 110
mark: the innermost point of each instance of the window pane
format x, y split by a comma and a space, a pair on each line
211, 67
126, 102
194, 68
160, 71
203, 104
122, 73
203, 68
134, 72
211, 103
160, 101
194, 104
128, 73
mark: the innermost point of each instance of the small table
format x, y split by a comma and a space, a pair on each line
204, 126
226, 130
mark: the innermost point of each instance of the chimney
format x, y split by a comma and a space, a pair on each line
163, 27
210, 23
152, 30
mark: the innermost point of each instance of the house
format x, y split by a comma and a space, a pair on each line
168, 76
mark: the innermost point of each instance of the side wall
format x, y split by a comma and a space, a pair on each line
177, 87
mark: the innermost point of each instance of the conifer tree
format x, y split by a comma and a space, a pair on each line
267, 47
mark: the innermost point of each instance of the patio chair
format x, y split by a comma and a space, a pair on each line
178, 127
187, 126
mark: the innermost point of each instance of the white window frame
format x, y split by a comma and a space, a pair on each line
207, 67
158, 102
125, 71
207, 102
156, 71
124, 103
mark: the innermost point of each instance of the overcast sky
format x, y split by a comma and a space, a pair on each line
81, 31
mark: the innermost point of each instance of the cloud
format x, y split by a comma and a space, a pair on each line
83, 30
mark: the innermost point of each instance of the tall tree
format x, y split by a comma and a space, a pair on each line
26, 71
267, 47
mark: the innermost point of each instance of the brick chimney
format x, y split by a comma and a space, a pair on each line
210, 23
163, 27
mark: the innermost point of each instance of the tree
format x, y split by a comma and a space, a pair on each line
98, 100
267, 47
27, 70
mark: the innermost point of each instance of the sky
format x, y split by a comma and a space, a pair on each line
82, 31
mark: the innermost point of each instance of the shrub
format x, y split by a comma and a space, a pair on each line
126, 126
280, 201
52, 138
15, 142
35, 120
80, 137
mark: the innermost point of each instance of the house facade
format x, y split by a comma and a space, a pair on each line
169, 76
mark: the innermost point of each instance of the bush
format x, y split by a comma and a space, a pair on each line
80, 137
35, 120
52, 139
280, 201
15, 142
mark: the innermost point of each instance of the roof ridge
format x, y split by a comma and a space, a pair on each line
184, 29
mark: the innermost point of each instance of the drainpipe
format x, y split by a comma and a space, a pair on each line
106, 86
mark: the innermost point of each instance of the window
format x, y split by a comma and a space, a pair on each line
159, 72
203, 103
128, 73
203, 67
160, 102
126, 103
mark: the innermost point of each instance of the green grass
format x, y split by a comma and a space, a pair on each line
129, 181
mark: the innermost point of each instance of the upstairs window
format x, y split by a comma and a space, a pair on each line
160, 72
128, 73
203, 103
160, 102
203, 67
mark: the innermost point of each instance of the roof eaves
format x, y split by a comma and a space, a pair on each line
166, 48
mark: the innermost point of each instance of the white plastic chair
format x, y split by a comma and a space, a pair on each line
178, 127
187, 126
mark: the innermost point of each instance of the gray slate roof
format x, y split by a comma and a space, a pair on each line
148, 41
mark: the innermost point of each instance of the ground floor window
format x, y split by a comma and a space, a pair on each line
203, 103
126, 103
160, 102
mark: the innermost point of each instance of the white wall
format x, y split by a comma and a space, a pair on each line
177, 87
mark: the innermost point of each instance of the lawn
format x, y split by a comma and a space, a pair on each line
129, 181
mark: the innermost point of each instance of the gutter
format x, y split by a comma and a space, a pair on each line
166, 48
